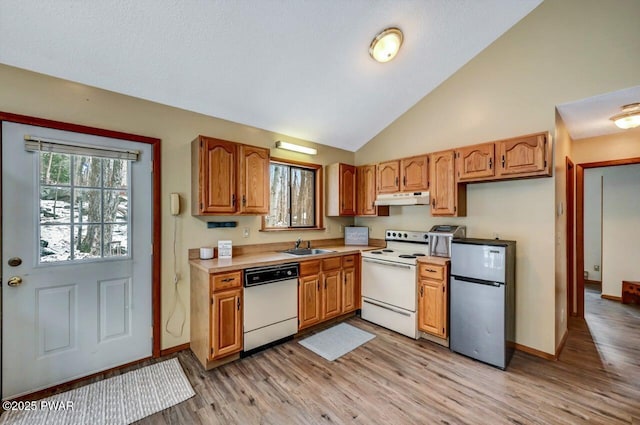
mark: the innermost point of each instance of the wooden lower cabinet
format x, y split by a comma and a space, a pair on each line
331, 294
327, 288
308, 301
226, 323
216, 316
432, 298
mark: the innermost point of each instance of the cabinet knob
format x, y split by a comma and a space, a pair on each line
422, 291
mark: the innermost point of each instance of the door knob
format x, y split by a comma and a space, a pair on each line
14, 281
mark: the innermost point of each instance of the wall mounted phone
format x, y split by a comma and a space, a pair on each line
175, 204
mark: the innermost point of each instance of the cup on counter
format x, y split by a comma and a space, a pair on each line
206, 253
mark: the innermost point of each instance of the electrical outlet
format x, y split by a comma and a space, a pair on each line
596, 267
245, 232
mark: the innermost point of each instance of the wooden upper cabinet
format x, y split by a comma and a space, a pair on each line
414, 172
524, 156
388, 177
475, 163
447, 197
214, 179
366, 192
341, 190
228, 178
254, 180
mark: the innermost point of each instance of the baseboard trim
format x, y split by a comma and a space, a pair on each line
174, 349
66, 386
562, 342
611, 297
534, 352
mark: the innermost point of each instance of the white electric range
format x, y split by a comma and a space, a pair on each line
389, 291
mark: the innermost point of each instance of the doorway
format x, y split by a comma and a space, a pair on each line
580, 226
81, 291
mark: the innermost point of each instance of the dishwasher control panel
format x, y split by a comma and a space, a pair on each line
269, 274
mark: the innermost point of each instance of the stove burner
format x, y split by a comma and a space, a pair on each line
406, 256
387, 250
418, 254
376, 252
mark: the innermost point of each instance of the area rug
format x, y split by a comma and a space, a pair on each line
336, 341
119, 400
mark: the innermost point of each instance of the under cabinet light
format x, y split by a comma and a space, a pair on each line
295, 148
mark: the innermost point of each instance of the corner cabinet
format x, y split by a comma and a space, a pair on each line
216, 316
341, 190
366, 192
432, 298
448, 198
228, 178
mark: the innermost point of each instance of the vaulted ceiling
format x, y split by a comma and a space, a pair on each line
297, 67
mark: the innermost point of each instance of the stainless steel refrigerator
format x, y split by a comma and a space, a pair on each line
482, 300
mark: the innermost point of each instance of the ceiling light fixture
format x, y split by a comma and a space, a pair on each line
386, 44
629, 117
295, 148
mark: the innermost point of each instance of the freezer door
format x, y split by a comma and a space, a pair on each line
483, 262
477, 321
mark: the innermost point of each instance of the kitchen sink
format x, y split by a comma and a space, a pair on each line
307, 251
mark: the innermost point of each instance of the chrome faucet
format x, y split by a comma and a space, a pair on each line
298, 242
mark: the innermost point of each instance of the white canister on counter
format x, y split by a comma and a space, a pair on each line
206, 253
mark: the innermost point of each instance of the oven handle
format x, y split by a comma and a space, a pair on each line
385, 263
404, 313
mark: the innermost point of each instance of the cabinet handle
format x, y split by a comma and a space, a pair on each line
433, 203
502, 161
404, 180
233, 199
490, 163
318, 286
422, 291
396, 181
431, 270
238, 303
229, 279
244, 200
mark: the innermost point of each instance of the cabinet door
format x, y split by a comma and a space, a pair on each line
389, 177
347, 177
444, 190
348, 290
308, 301
217, 176
415, 173
331, 294
226, 323
431, 307
525, 156
475, 162
254, 180
366, 192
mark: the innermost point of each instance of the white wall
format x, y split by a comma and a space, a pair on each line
593, 222
620, 227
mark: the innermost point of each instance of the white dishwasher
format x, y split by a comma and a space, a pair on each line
270, 305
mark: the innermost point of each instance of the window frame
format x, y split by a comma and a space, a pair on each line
318, 194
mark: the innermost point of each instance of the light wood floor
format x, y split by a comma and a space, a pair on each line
395, 380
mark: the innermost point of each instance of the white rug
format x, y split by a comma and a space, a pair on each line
336, 341
119, 400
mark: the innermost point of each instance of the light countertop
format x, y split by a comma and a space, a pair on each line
267, 258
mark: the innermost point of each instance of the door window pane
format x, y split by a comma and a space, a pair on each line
84, 207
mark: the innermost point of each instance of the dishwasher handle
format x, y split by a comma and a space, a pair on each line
476, 281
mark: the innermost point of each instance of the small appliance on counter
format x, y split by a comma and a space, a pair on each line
440, 237
482, 300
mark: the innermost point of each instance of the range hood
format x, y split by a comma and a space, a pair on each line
411, 198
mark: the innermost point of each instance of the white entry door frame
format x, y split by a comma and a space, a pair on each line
122, 249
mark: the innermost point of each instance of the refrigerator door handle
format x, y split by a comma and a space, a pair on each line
478, 281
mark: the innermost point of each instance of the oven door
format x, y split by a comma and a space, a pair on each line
390, 283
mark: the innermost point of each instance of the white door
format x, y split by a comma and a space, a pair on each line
81, 228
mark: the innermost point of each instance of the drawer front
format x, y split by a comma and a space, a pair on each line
432, 271
332, 263
309, 268
226, 281
348, 261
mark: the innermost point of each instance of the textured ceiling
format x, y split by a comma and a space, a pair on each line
590, 117
297, 67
